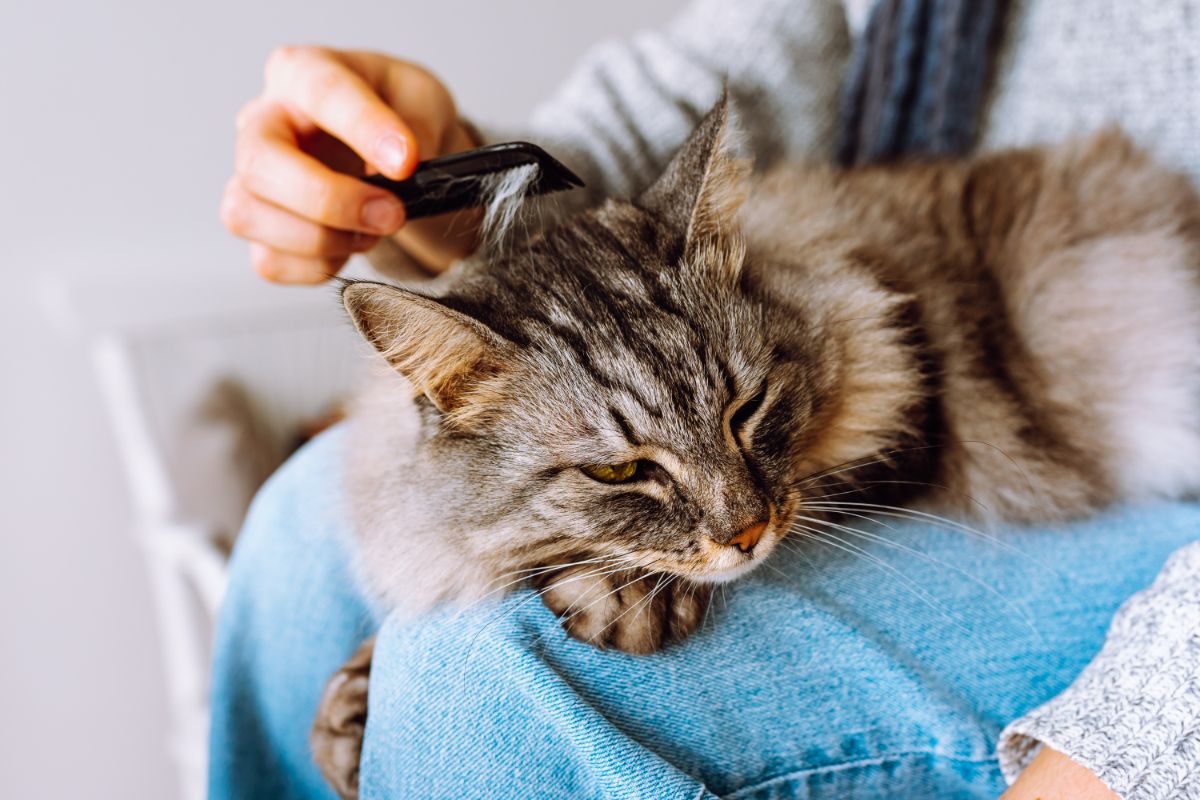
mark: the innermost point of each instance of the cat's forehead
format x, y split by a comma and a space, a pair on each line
609, 322
635, 343
613, 275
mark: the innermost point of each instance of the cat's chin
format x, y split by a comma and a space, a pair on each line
724, 573
727, 574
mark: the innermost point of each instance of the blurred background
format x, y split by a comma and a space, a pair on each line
117, 137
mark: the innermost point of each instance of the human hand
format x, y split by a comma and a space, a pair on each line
324, 117
1053, 776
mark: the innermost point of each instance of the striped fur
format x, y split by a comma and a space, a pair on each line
1023, 329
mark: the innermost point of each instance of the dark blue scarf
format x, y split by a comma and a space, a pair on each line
917, 78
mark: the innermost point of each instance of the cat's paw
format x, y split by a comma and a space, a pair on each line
337, 732
635, 612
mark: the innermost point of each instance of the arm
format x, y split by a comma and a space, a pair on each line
616, 121
622, 113
1132, 718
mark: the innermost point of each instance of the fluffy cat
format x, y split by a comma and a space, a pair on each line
644, 396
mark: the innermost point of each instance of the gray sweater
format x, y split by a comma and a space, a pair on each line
1133, 716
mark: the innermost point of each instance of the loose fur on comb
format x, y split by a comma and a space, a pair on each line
505, 193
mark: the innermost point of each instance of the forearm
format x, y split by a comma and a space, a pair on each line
1132, 718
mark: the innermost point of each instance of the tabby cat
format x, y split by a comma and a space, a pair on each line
643, 397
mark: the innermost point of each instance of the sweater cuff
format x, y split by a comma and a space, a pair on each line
1133, 715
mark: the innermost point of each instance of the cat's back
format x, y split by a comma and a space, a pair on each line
989, 207
1058, 288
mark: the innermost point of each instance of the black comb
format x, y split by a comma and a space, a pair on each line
451, 183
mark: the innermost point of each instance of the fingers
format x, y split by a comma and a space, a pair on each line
290, 195
341, 102
257, 220
271, 166
287, 268
416, 95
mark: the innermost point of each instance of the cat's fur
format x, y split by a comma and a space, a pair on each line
1021, 329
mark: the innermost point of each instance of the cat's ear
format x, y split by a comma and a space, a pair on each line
444, 354
701, 191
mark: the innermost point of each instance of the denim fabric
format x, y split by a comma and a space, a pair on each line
823, 675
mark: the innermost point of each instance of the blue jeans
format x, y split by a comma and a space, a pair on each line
885, 673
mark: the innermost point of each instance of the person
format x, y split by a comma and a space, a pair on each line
890, 675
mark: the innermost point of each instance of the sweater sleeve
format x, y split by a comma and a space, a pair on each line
629, 104
1132, 717
627, 107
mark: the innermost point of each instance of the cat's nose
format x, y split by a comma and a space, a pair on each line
746, 540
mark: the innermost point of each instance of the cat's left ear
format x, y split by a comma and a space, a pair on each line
445, 355
701, 191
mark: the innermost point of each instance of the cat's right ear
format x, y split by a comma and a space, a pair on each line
701, 191
445, 355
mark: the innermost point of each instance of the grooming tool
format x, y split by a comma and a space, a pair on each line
458, 181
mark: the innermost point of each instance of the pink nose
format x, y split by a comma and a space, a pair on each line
746, 540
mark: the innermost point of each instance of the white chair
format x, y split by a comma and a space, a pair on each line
207, 387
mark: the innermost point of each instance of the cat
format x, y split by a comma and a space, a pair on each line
643, 397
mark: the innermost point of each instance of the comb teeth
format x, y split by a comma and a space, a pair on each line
453, 182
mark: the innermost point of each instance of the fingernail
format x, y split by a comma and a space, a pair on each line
383, 214
392, 151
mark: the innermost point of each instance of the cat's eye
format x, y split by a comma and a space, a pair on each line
747, 410
615, 473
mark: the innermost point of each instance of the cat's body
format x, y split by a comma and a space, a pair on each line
1032, 317
1056, 298
658, 388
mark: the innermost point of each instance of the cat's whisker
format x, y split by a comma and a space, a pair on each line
644, 602
776, 570
869, 460
845, 466
618, 568
707, 608
874, 537
614, 571
915, 515
796, 548
637, 577
1028, 481
605, 569
864, 486
887, 455
832, 540
559, 565
526, 578
533, 572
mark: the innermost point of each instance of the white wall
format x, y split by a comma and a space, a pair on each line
115, 141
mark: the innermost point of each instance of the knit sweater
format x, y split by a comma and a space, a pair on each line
1133, 716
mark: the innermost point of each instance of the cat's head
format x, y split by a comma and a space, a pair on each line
622, 387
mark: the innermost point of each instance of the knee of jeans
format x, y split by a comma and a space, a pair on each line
791, 684
866, 693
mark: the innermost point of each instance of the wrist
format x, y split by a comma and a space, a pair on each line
463, 136
1053, 776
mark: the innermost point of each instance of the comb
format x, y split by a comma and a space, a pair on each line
454, 182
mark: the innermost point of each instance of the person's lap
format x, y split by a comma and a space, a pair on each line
824, 674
